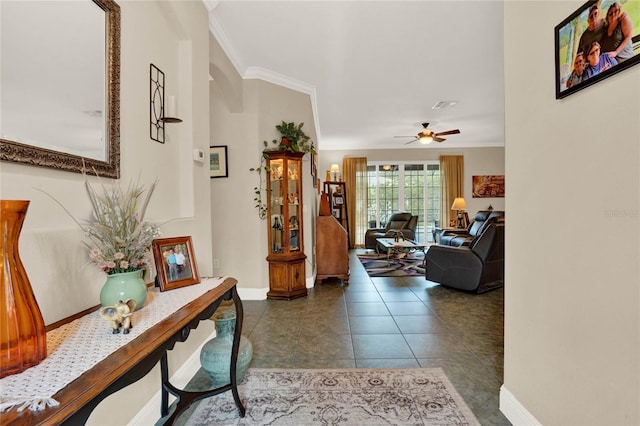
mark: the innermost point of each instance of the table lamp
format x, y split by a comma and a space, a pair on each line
459, 204
335, 170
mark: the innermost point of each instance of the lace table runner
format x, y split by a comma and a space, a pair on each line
77, 346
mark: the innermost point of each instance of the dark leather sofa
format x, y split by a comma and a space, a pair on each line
476, 268
403, 222
464, 237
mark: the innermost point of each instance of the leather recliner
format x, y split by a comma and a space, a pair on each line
403, 222
464, 237
476, 268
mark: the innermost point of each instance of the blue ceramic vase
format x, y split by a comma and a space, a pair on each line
124, 286
215, 356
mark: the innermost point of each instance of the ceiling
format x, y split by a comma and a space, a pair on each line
375, 69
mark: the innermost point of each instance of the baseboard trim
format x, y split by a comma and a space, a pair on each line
150, 413
514, 411
253, 293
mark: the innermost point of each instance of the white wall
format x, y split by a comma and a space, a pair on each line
572, 298
174, 37
477, 161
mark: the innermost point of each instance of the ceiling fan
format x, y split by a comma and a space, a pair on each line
427, 135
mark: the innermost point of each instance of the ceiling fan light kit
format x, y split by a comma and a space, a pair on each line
427, 135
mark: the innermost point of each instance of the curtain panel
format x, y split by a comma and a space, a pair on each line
452, 181
354, 174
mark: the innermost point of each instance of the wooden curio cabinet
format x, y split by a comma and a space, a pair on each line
284, 213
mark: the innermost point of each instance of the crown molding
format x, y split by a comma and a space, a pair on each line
216, 29
257, 72
290, 83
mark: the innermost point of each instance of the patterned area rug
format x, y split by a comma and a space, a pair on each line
403, 265
420, 396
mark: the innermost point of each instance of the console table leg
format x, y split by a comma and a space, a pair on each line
164, 394
234, 350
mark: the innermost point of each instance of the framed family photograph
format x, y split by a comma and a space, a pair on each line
218, 164
596, 41
175, 263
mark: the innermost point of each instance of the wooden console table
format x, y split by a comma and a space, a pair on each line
134, 360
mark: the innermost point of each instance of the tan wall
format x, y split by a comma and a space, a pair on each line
477, 161
174, 37
572, 299
239, 236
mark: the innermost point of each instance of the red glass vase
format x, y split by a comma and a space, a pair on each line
23, 338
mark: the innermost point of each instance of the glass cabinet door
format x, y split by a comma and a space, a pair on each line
277, 204
293, 195
285, 203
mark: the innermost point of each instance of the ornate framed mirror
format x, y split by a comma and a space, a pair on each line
60, 81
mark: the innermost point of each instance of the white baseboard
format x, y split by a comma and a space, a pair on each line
253, 293
150, 413
514, 411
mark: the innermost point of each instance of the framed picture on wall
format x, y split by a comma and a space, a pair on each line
314, 169
487, 186
218, 164
596, 41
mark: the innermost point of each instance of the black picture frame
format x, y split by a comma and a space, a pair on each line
218, 162
566, 38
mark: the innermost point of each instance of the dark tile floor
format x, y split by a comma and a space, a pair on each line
384, 322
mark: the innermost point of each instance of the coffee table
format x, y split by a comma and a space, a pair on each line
401, 246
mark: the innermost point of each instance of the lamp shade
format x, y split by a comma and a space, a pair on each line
459, 204
335, 168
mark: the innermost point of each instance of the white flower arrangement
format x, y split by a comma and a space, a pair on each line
118, 236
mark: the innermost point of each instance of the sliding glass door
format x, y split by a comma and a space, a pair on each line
411, 187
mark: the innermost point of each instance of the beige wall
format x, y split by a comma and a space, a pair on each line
243, 115
572, 298
174, 37
477, 161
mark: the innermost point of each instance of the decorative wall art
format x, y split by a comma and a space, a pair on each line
489, 186
156, 110
314, 170
595, 42
175, 263
218, 164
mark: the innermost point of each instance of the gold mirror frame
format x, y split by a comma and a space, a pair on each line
26, 154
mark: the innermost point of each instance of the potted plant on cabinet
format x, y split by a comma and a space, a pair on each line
292, 138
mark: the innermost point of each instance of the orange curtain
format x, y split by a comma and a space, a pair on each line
354, 174
452, 181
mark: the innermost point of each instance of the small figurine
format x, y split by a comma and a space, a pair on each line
119, 315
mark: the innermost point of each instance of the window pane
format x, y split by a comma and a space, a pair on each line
414, 195
418, 192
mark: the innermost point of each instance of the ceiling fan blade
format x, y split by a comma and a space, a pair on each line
407, 143
411, 136
448, 132
437, 139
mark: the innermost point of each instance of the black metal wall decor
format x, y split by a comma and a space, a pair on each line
157, 104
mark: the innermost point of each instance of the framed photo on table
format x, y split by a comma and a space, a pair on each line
583, 47
175, 263
218, 163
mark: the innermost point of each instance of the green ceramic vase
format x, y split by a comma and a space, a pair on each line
124, 286
215, 356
